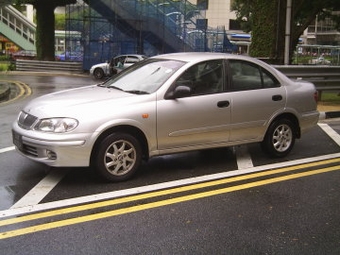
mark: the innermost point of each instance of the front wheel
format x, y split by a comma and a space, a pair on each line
280, 138
118, 157
98, 73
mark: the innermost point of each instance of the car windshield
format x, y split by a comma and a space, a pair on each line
144, 77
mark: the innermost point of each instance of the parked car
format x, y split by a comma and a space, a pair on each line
321, 61
115, 65
75, 56
167, 104
24, 54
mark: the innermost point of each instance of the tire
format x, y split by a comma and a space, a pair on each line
280, 138
118, 157
98, 73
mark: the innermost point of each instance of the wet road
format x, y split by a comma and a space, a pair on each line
223, 201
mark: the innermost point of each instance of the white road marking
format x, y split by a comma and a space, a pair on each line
41, 190
144, 189
29, 203
37, 193
243, 157
330, 132
7, 149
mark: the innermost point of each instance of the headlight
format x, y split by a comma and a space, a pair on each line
56, 125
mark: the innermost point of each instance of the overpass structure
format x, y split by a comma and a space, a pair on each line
149, 27
17, 28
101, 29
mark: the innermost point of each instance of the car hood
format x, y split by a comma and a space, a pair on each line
80, 101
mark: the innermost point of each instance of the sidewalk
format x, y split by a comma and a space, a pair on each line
328, 110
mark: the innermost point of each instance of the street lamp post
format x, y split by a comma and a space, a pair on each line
287, 34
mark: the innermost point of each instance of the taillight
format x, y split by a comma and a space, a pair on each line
316, 96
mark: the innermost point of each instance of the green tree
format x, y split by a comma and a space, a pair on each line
59, 21
45, 24
266, 19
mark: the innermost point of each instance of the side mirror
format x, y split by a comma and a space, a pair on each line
179, 92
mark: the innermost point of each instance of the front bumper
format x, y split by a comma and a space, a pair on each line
60, 150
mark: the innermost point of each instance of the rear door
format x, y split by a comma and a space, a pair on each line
255, 97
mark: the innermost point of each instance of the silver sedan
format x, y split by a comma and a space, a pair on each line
167, 104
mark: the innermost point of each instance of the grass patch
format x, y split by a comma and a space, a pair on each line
331, 97
7, 66
3, 67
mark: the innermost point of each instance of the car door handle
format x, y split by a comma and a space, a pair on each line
222, 104
277, 98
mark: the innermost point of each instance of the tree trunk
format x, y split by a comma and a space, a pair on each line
44, 34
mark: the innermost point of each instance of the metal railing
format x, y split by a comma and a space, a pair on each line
323, 77
48, 66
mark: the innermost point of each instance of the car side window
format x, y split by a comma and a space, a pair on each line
249, 76
203, 78
119, 61
131, 60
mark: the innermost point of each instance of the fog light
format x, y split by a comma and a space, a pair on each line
51, 155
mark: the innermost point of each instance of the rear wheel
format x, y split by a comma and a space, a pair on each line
118, 157
280, 138
98, 73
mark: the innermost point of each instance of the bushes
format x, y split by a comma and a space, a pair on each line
5, 63
7, 66
4, 58
3, 67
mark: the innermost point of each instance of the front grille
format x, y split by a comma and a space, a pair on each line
26, 120
30, 150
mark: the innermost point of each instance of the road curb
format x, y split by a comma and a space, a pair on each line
5, 90
46, 73
332, 114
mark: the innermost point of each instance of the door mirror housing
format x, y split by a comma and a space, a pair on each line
179, 92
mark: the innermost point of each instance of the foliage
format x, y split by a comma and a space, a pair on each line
59, 21
3, 67
4, 58
330, 97
266, 20
7, 66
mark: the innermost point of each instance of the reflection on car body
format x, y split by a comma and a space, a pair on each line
167, 104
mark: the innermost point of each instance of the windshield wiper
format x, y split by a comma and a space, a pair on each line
137, 92
103, 85
114, 87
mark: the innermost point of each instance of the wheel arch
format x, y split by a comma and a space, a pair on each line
137, 133
293, 119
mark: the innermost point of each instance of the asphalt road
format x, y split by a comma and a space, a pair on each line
222, 201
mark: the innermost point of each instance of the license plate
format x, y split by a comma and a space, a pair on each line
17, 140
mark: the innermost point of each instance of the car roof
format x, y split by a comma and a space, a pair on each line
129, 55
199, 56
195, 57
